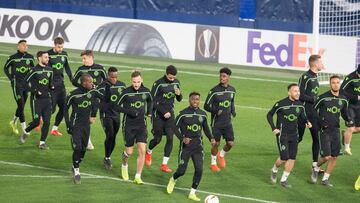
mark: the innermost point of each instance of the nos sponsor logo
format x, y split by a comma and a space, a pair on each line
207, 43
23, 26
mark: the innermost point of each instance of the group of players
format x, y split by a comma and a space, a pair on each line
98, 90
303, 107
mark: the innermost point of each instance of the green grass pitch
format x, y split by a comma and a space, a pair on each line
28, 174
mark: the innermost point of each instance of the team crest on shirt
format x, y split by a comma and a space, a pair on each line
27, 62
297, 109
48, 74
143, 96
201, 119
88, 95
232, 96
340, 102
96, 73
119, 90
62, 58
175, 86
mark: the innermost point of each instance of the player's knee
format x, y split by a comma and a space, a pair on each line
230, 144
327, 158
216, 145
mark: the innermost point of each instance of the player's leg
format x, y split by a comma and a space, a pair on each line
129, 137
169, 131
288, 147
46, 115
301, 130
214, 149
60, 101
183, 160
354, 113
228, 134
335, 150
19, 113
108, 127
94, 109
141, 139
315, 139
158, 132
76, 145
35, 111
197, 158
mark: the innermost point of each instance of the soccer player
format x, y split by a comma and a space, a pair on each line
78, 124
288, 112
16, 68
164, 91
328, 106
220, 103
109, 115
309, 88
97, 73
136, 103
351, 89
58, 61
189, 124
40, 79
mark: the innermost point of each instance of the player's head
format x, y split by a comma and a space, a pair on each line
136, 80
87, 57
22, 46
315, 63
225, 75
194, 99
86, 81
42, 57
335, 83
293, 91
171, 72
58, 44
112, 75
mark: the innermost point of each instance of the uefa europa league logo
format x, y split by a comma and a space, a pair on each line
206, 34
207, 43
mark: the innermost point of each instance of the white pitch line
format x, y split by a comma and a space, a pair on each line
146, 183
44, 176
188, 72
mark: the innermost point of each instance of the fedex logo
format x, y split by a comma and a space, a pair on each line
268, 53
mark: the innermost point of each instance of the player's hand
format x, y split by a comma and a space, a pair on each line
276, 131
349, 124
92, 120
167, 115
308, 125
212, 141
186, 140
177, 91
38, 93
358, 97
69, 130
219, 112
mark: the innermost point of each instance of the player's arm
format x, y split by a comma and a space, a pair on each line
31, 85
7, 67
233, 112
149, 103
270, 116
206, 129
303, 95
209, 106
303, 117
76, 78
66, 113
178, 125
68, 69
51, 80
345, 114
178, 96
32, 61
156, 104
128, 111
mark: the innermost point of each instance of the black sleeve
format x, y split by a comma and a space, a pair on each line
178, 122
303, 95
7, 67
149, 103
32, 64
127, 111
233, 112
51, 80
66, 111
29, 78
207, 129
76, 79
270, 115
208, 106
179, 97
303, 116
317, 113
68, 69
345, 112
344, 90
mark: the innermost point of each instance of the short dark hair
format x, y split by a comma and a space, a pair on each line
170, 69
313, 58
291, 85
112, 69
58, 40
135, 74
84, 76
194, 94
225, 70
87, 53
40, 53
334, 77
21, 41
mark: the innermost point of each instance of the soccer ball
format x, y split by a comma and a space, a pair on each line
211, 199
